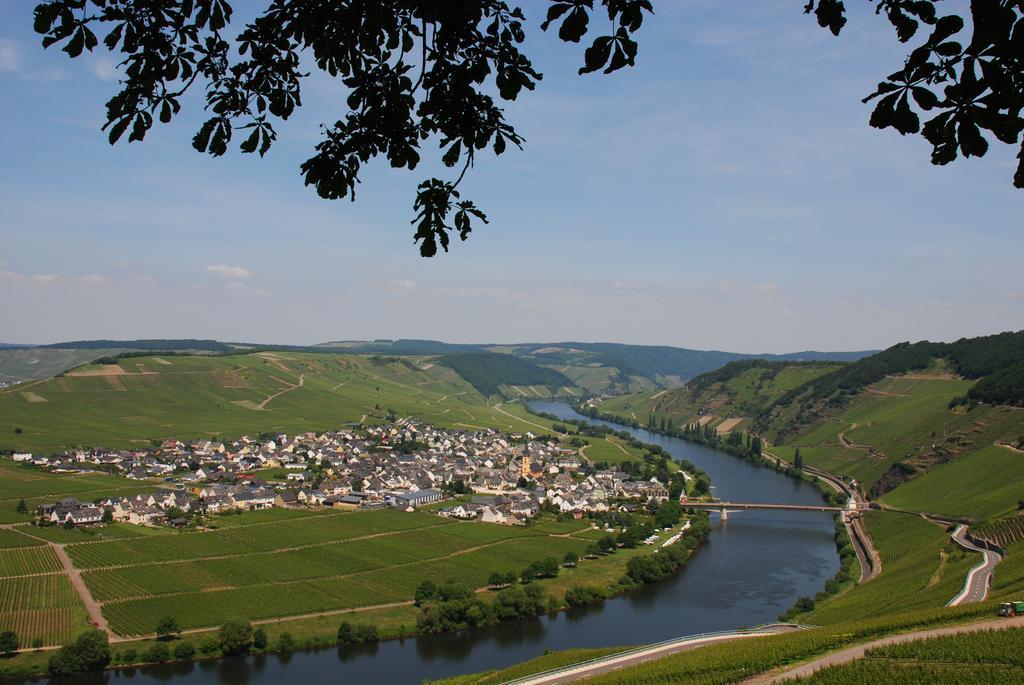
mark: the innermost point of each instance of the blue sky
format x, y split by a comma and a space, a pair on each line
726, 193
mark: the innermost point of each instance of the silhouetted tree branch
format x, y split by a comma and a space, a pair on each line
461, 50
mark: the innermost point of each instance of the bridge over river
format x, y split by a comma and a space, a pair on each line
724, 507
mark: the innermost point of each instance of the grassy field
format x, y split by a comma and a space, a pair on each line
983, 485
145, 398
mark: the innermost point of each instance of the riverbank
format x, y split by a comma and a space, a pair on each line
603, 576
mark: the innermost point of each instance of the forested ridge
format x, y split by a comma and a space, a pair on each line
487, 371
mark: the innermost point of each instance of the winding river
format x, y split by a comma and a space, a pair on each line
751, 569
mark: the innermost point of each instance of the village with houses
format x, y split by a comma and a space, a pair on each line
490, 477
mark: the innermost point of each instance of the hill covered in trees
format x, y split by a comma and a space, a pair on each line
488, 371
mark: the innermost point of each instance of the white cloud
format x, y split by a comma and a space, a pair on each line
104, 69
403, 284
229, 271
237, 287
767, 287
15, 277
93, 279
10, 55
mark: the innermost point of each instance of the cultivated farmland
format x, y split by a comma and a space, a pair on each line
302, 565
36, 598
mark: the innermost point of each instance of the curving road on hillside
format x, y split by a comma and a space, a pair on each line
978, 578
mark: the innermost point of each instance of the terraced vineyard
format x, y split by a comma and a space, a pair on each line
739, 390
1004, 533
294, 566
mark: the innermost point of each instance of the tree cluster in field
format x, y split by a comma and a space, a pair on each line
359, 632
9, 642
650, 568
452, 606
89, 652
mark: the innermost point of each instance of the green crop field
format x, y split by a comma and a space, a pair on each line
145, 398
37, 600
985, 484
921, 568
285, 565
611, 450
994, 657
23, 561
10, 538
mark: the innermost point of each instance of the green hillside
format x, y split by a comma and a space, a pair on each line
903, 426
489, 371
985, 484
739, 390
139, 399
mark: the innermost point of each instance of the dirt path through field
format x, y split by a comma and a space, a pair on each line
853, 653
850, 444
75, 576
263, 405
498, 409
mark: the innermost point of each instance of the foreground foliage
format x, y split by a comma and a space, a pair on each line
420, 70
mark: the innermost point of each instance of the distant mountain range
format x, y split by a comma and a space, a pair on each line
596, 367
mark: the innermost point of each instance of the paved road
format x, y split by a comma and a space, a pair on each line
635, 657
853, 653
978, 578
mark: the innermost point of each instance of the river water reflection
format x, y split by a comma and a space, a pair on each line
751, 569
